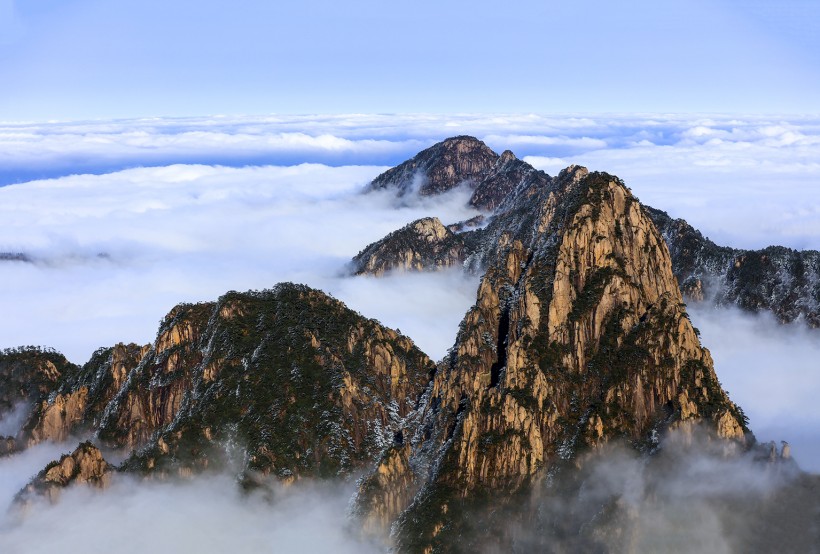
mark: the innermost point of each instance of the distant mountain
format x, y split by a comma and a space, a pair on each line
777, 279
460, 161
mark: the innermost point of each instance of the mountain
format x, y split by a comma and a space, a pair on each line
459, 161
287, 381
575, 374
579, 336
777, 279
783, 281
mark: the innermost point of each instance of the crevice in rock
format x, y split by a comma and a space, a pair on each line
501, 348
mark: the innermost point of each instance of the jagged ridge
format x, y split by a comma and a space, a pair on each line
777, 279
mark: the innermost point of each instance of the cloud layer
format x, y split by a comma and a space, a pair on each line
771, 371
202, 515
746, 181
113, 253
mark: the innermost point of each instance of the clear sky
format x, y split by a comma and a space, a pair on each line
70, 59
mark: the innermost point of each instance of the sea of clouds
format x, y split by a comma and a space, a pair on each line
129, 218
747, 181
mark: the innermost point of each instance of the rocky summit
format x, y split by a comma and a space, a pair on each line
287, 381
578, 349
460, 161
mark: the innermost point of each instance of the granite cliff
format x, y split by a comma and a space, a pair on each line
579, 336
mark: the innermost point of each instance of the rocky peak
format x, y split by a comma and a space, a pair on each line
85, 465
460, 161
440, 168
578, 337
506, 157
420, 245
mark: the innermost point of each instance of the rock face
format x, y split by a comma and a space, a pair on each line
781, 280
421, 245
578, 336
79, 397
84, 465
460, 161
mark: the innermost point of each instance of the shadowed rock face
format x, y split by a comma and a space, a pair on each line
455, 162
578, 336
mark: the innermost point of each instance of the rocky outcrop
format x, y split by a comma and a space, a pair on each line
777, 279
302, 383
578, 337
421, 245
85, 465
79, 397
460, 161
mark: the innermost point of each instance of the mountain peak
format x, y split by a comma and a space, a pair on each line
442, 167
578, 337
460, 161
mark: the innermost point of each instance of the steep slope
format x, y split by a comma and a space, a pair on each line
78, 398
578, 336
460, 161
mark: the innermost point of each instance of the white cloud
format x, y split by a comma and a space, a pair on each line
745, 180
18, 469
191, 233
206, 514
771, 371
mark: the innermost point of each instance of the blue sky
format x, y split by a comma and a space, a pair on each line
76, 59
